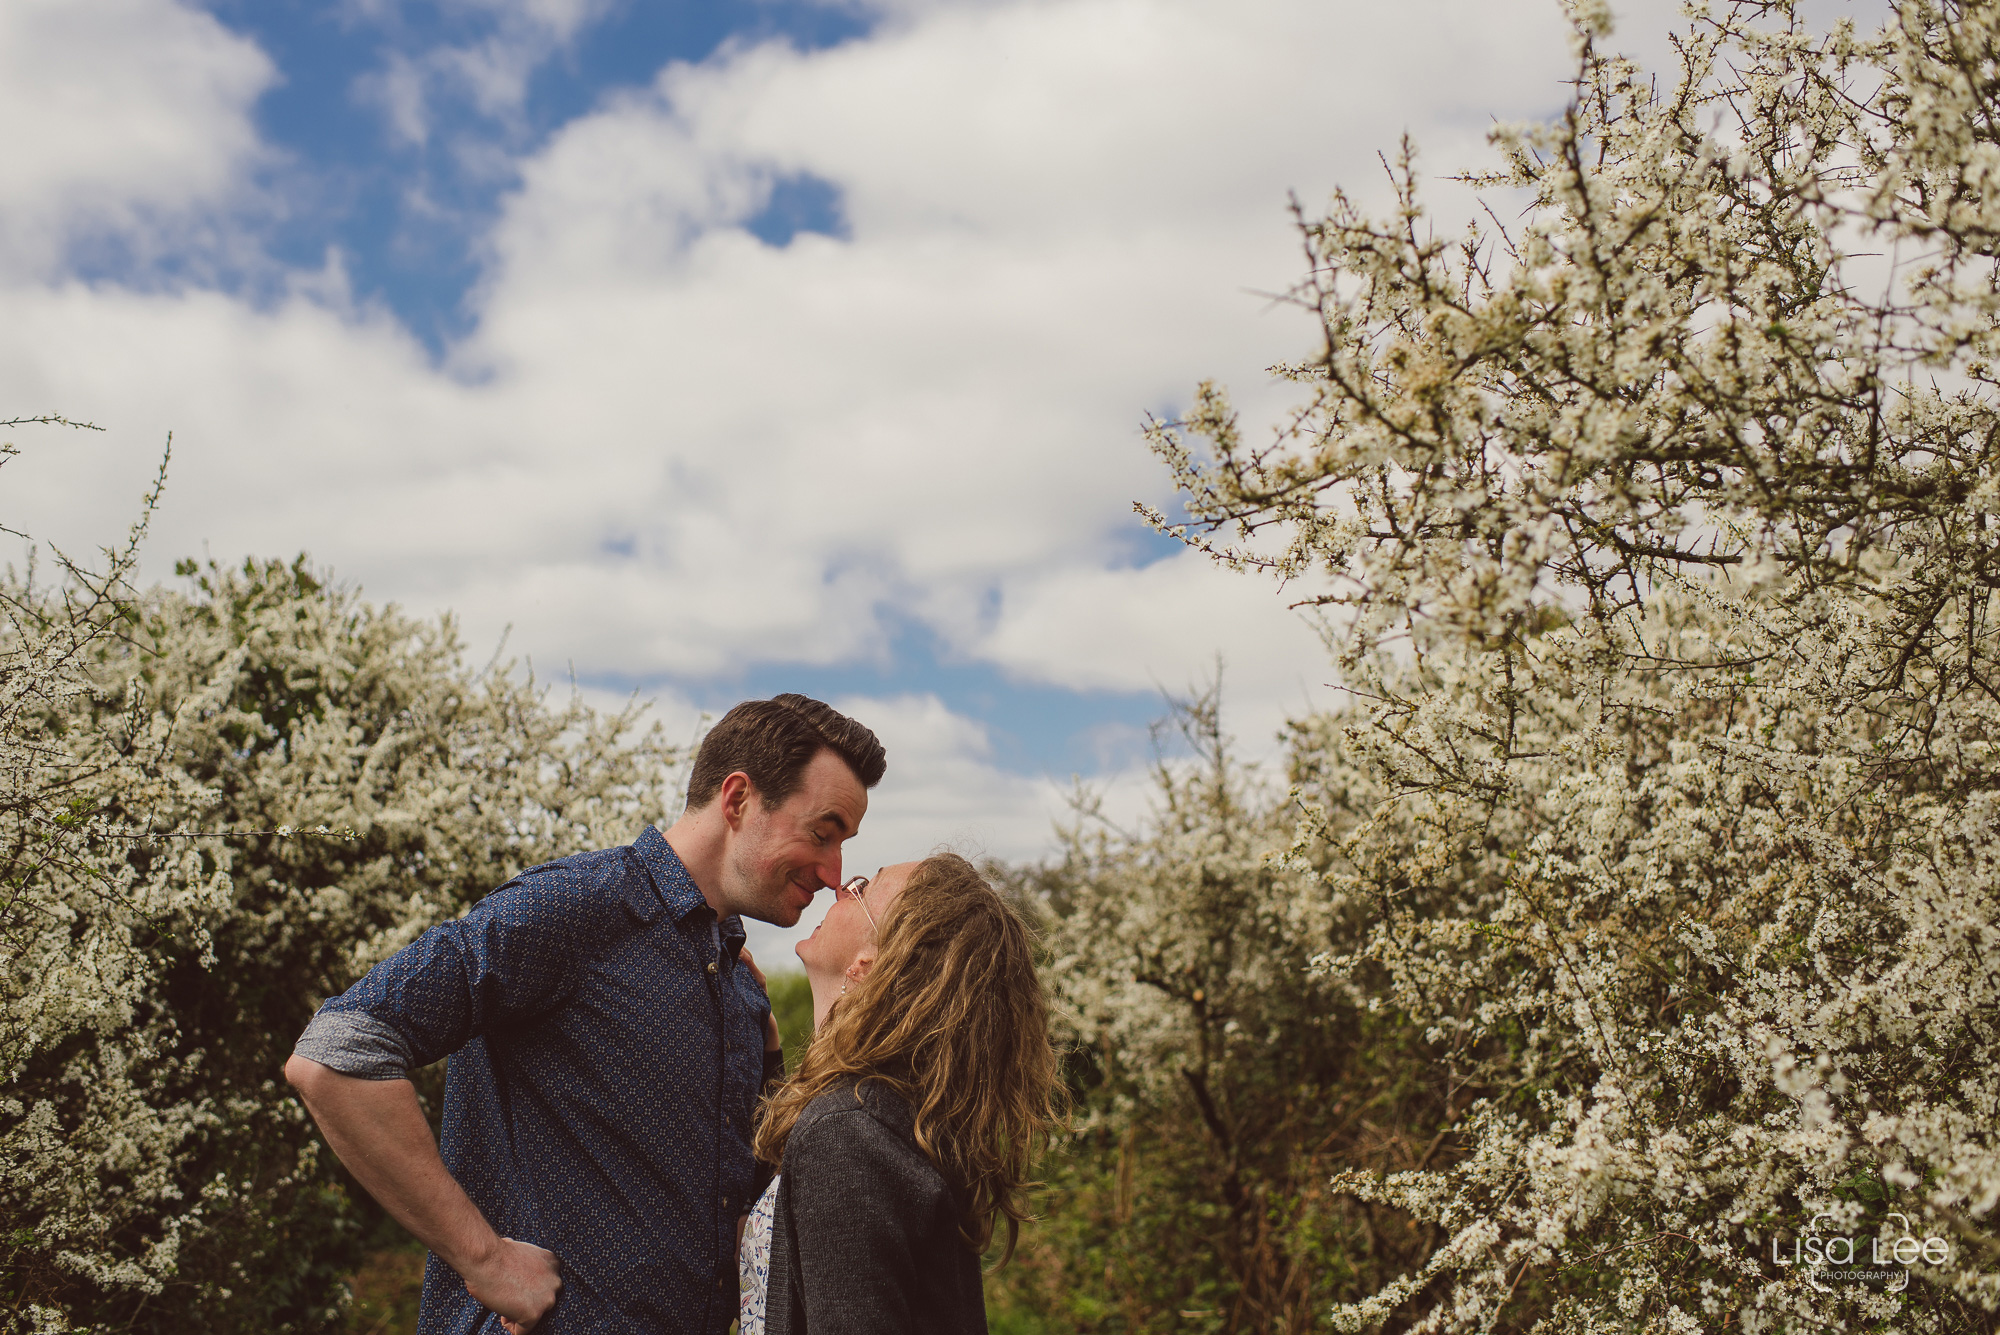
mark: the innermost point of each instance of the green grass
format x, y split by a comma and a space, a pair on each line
1012, 1321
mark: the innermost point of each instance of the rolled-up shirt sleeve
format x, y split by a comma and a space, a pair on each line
357, 1044
504, 962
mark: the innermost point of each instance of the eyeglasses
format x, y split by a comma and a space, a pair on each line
857, 886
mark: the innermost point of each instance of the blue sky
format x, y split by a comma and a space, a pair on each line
717, 350
403, 211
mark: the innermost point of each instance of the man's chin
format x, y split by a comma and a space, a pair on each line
786, 910
783, 914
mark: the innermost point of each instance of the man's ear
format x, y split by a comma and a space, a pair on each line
735, 796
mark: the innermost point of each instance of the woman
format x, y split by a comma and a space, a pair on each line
907, 1132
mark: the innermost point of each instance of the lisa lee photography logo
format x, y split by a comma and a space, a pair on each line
1826, 1258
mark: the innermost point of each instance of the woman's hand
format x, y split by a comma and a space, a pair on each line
771, 1040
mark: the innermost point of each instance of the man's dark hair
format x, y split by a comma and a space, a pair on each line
773, 741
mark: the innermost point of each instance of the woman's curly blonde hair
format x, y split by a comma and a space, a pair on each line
951, 1016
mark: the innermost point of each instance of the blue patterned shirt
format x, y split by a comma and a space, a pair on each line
606, 1052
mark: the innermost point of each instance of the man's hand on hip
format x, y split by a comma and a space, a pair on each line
518, 1282
378, 1130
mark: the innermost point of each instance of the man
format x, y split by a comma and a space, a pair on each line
606, 1050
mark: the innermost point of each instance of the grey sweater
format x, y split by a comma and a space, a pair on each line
866, 1234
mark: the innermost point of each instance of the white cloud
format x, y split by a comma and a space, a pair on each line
1056, 210
1164, 626
490, 72
398, 92
124, 118
668, 448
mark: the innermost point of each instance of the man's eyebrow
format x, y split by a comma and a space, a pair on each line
836, 818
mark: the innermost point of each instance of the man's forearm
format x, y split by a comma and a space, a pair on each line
378, 1129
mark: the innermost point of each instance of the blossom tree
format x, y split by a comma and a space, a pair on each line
1664, 533
221, 805
1219, 1078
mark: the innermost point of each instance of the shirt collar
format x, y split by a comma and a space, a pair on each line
674, 890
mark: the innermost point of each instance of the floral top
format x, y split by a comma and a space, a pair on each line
753, 1263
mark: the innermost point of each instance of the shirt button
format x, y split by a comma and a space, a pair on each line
722, 1281
711, 968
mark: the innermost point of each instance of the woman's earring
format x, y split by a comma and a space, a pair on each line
843, 987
